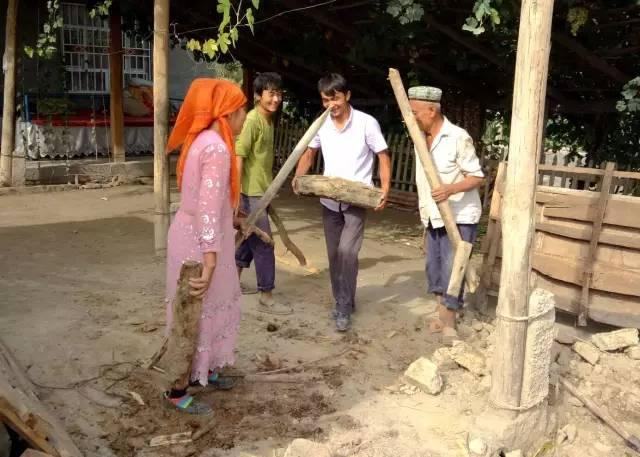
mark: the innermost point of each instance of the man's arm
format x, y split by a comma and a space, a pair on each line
447, 190
384, 172
470, 167
304, 165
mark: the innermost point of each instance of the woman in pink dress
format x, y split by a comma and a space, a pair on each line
213, 113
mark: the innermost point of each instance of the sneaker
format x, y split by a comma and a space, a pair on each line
187, 404
343, 322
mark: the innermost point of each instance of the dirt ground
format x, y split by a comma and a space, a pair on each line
82, 304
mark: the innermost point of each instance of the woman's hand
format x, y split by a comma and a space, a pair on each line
199, 286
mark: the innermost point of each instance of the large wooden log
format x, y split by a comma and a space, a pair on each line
21, 409
525, 144
285, 171
181, 345
343, 190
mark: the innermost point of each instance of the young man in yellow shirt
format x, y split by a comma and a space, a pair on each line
255, 153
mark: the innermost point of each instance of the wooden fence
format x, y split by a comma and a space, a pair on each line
403, 166
586, 248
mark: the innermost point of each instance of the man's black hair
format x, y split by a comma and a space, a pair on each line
332, 83
267, 81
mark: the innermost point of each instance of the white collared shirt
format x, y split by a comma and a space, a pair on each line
348, 153
455, 158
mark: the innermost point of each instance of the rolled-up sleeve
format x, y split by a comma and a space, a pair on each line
467, 159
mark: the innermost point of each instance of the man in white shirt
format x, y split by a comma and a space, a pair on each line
461, 174
350, 140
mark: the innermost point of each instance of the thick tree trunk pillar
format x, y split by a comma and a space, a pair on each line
532, 65
115, 84
9, 105
161, 122
248, 76
518, 417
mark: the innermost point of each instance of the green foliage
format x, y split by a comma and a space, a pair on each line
233, 18
46, 44
100, 9
630, 97
577, 17
483, 11
406, 11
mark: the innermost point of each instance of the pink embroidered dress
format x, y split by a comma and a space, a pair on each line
204, 223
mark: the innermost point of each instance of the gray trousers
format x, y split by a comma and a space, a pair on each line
344, 232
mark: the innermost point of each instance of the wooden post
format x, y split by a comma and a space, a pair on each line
534, 42
161, 122
115, 84
605, 193
247, 83
9, 106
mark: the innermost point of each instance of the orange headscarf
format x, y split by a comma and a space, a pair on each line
207, 100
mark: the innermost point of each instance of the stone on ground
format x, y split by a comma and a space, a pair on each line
306, 448
616, 340
587, 351
442, 358
633, 352
467, 357
571, 431
424, 374
516, 453
477, 447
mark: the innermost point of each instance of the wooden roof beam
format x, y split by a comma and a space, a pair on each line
590, 58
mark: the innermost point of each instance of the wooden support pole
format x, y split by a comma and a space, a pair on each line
116, 109
587, 276
285, 171
9, 104
161, 122
534, 43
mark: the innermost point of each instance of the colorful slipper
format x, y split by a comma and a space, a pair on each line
187, 404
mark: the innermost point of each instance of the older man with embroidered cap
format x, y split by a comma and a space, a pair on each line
461, 174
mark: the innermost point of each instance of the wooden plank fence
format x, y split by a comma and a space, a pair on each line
403, 166
586, 248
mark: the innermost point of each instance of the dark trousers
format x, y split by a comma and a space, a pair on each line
253, 248
344, 232
440, 262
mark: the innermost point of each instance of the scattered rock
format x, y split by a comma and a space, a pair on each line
477, 325
465, 331
565, 335
587, 351
477, 447
306, 448
616, 340
516, 453
570, 431
564, 358
489, 327
467, 357
271, 327
633, 352
442, 358
424, 374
